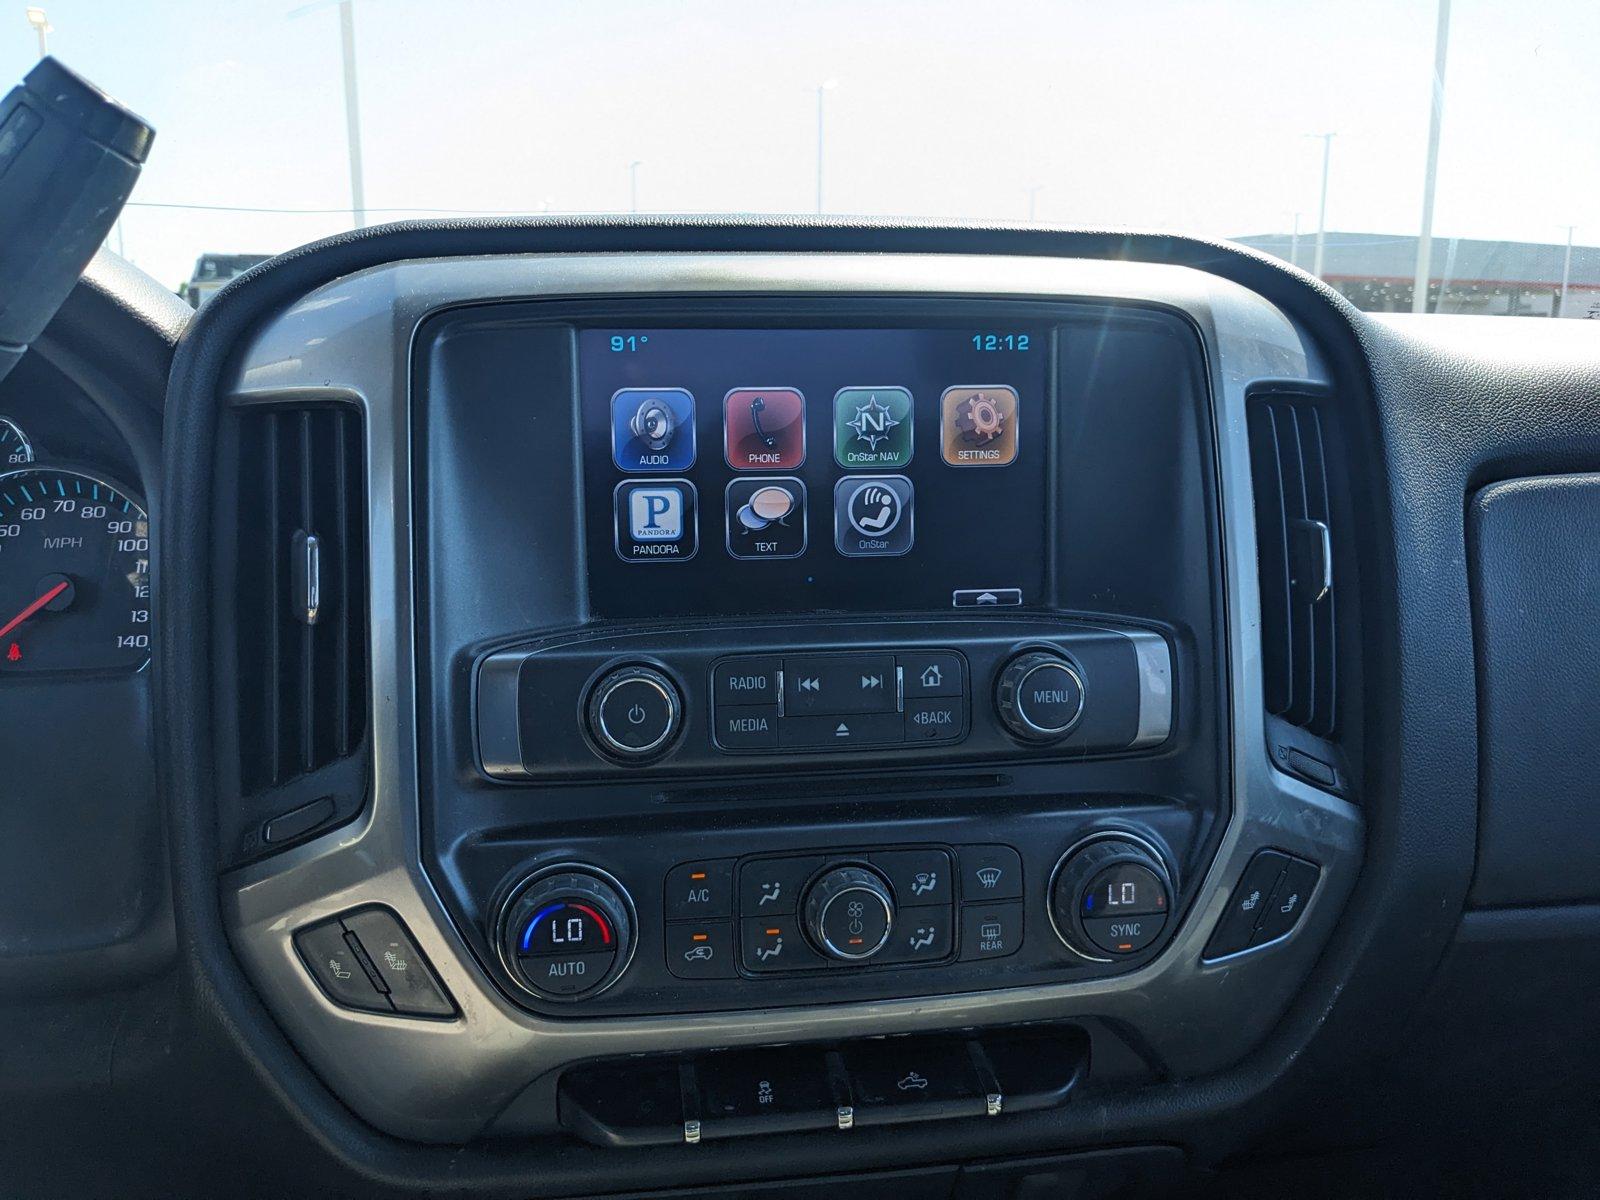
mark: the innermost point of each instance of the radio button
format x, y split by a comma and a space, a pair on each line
856, 683
746, 681
753, 727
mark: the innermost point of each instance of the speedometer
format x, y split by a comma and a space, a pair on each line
74, 574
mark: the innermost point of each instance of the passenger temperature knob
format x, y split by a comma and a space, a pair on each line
1111, 898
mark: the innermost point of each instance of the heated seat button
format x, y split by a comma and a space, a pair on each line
337, 968
1245, 906
697, 890
990, 873
410, 980
854, 683
991, 930
917, 876
746, 681
1284, 907
747, 727
700, 949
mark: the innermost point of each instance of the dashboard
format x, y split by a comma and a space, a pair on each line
922, 711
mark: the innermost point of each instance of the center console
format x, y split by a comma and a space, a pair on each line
793, 651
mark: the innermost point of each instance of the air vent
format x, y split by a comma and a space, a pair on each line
300, 609
1295, 538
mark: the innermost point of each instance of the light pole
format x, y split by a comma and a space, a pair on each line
352, 102
41, 26
823, 89
1294, 243
1322, 205
633, 185
1441, 48
1566, 274
1033, 198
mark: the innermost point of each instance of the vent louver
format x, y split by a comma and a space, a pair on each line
301, 624
1295, 536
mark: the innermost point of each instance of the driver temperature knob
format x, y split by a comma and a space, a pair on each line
567, 933
849, 913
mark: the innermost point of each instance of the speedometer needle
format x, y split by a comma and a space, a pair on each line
35, 606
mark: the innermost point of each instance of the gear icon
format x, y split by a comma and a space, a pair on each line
979, 419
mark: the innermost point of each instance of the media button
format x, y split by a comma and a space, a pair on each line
765, 518
764, 429
740, 727
872, 515
652, 429
855, 683
656, 520
872, 427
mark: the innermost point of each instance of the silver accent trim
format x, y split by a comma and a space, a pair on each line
1154, 660
444, 1081
307, 580
992, 1104
691, 1132
846, 1116
499, 730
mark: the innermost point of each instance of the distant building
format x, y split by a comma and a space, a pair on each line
211, 271
1376, 272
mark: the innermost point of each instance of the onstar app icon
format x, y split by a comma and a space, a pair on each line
764, 429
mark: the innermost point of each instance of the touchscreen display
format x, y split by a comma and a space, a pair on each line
799, 470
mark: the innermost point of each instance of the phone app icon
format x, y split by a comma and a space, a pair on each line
766, 518
978, 426
652, 429
872, 427
656, 520
872, 515
764, 429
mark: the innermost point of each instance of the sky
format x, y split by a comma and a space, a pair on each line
1154, 114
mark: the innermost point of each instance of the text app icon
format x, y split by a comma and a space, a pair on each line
656, 520
872, 515
872, 427
766, 518
652, 429
764, 429
978, 426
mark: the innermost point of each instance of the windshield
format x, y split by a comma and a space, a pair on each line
1373, 142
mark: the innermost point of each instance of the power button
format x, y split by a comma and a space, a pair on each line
634, 713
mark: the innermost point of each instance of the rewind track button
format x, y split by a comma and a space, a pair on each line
855, 683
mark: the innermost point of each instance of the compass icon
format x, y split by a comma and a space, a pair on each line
872, 427
872, 422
